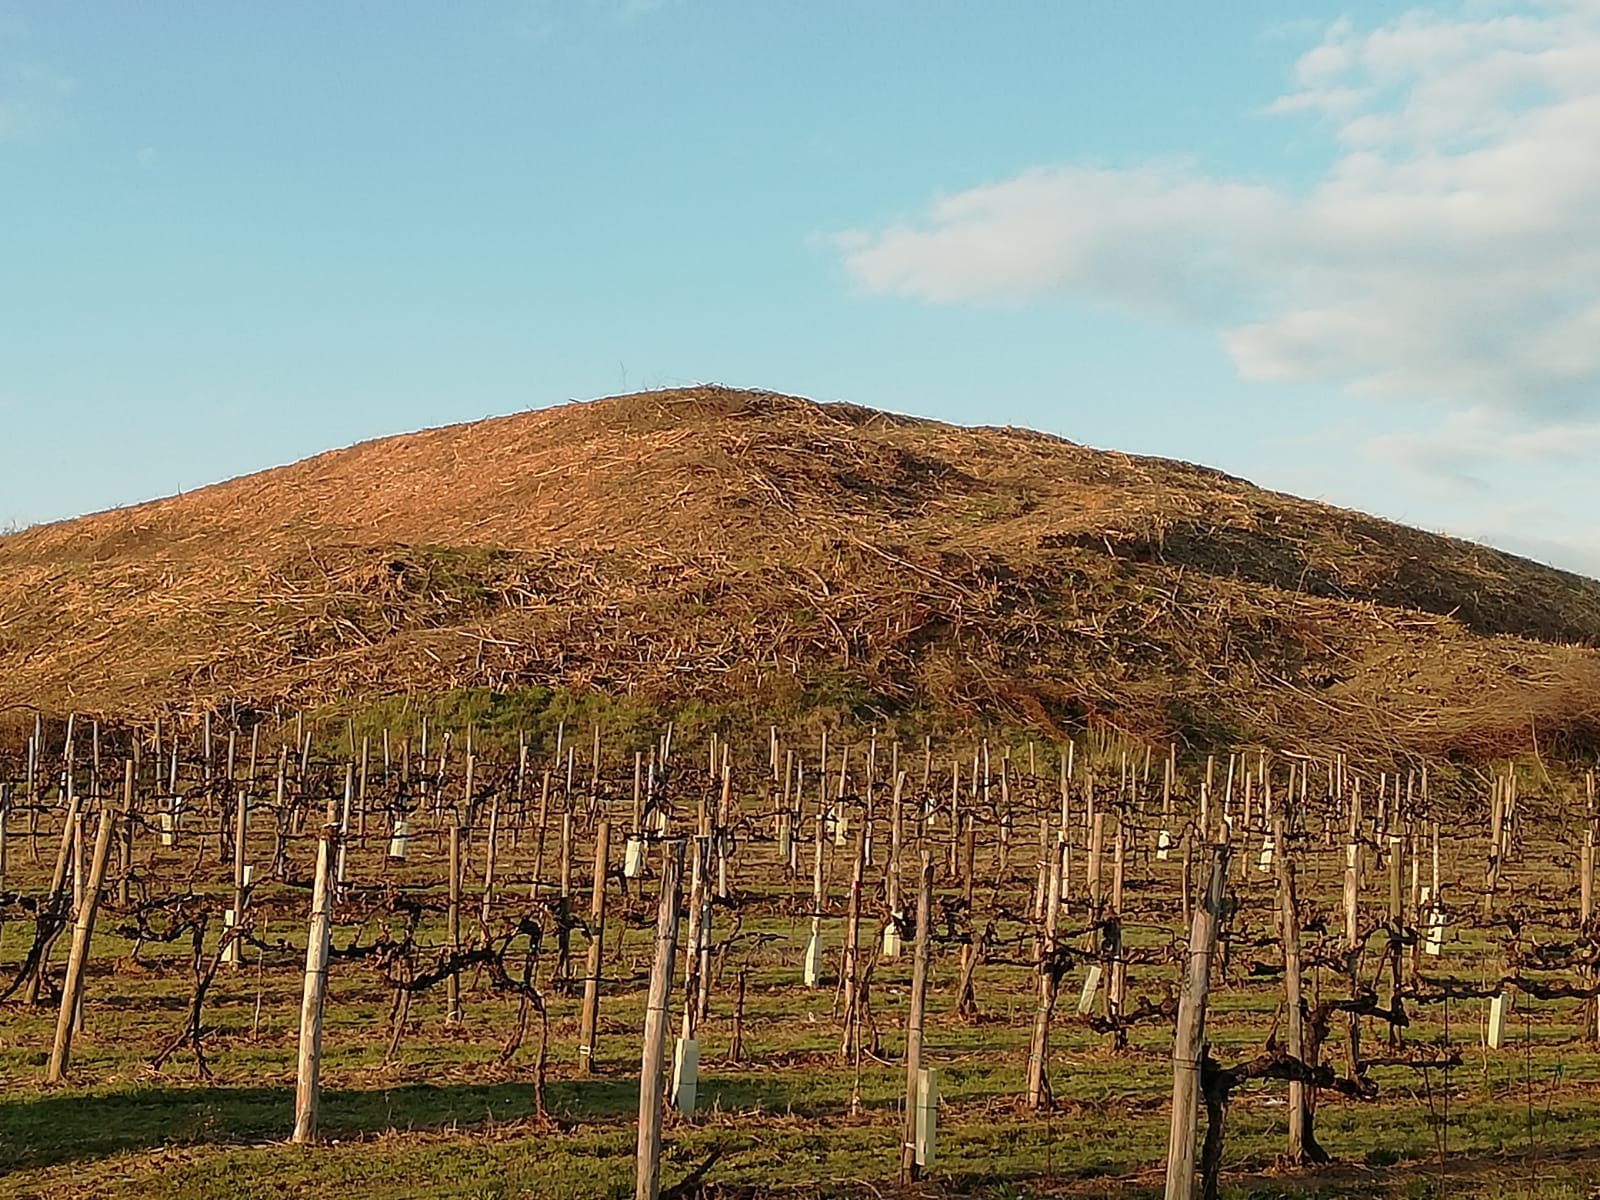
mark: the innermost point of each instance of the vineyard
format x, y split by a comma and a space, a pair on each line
300, 956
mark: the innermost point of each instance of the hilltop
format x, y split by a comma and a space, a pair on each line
787, 556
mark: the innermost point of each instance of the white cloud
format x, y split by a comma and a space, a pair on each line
1450, 250
1471, 440
1498, 477
1327, 101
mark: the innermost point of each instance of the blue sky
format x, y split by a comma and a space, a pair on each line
1345, 251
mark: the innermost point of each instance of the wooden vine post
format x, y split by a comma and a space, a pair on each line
1302, 1143
720, 832
564, 905
686, 1053
1039, 1049
241, 819
590, 1019
1491, 874
1591, 1023
647, 1185
1352, 928
1397, 923
1117, 990
850, 979
57, 901
1188, 1048
78, 957
453, 925
971, 950
125, 853
309, 1067
891, 929
811, 969
489, 849
910, 1160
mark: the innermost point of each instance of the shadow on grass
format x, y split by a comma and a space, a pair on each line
52, 1128
49, 1129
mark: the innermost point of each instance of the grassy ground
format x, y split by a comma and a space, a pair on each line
445, 1118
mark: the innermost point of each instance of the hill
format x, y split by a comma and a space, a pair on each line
771, 553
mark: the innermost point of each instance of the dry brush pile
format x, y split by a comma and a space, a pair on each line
740, 547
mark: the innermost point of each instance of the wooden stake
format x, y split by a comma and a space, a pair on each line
1117, 990
1188, 1046
590, 1019
1491, 877
78, 957
1352, 932
851, 978
309, 1066
1591, 1006
56, 902
564, 905
914, 1018
453, 923
240, 829
125, 867
812, 967
488, 859
1299, 1101
647, 1179
1038, 1051
698, 870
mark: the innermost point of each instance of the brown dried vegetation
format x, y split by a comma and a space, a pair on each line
727, 544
